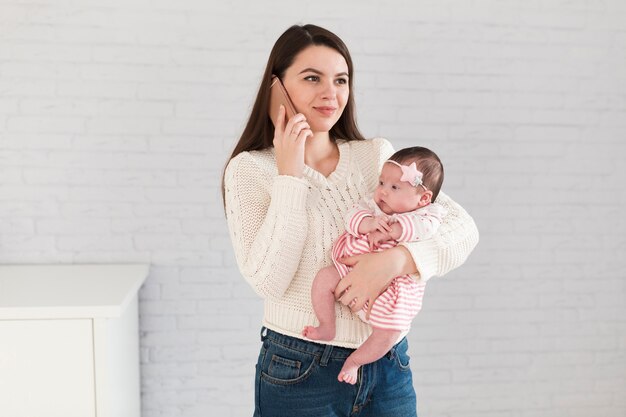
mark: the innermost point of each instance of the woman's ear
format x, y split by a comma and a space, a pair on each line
426, 198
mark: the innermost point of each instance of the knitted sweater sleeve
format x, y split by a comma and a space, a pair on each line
451, 245
267, 221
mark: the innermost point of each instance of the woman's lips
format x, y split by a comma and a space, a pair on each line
326, 111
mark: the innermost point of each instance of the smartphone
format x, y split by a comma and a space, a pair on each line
278, 96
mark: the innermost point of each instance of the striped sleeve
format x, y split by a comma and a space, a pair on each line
355, 216
417, 226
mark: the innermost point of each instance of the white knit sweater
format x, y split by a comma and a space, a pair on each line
283, 229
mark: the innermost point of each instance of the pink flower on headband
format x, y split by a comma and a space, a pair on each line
410, 174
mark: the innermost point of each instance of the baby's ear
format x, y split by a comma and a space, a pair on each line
426, 198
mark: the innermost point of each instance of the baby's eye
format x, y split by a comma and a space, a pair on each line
312, 78
395, 187
380, 183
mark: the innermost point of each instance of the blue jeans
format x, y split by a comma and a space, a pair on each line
299, 378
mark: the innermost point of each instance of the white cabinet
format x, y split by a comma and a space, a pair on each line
69, 340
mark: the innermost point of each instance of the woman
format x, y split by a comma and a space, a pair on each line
286, 190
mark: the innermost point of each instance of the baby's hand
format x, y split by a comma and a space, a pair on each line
371, 224
377, 237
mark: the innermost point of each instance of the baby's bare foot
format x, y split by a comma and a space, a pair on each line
348, 373
319, 333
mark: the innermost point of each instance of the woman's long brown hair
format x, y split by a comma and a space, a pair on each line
259, 131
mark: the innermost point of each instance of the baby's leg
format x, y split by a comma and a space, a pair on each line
323, 299
374, 348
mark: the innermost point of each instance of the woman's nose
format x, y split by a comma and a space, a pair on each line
329, 90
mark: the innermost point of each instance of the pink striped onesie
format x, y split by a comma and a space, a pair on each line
395, 308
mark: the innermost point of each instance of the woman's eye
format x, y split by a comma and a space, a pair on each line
312, 78
342, 81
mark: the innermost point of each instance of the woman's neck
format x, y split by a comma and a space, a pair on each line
320, 153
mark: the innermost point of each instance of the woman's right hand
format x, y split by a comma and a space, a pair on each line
289, 143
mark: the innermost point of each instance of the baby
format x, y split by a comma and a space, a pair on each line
400, 210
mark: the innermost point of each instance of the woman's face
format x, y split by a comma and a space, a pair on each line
317, 83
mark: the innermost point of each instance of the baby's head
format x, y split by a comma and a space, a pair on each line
410, 179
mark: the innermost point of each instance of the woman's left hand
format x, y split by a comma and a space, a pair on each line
367, 280
371, 275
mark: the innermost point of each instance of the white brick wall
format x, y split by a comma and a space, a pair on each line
116, 118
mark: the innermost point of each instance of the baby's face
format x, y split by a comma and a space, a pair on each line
395, 196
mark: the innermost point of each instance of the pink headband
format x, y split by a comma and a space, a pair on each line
410, 174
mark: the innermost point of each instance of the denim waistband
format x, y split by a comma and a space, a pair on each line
313, 348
